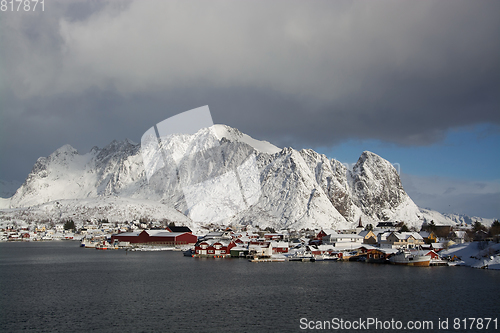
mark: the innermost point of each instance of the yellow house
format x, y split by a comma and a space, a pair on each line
429, 237
40, 229
368, 237
405, 239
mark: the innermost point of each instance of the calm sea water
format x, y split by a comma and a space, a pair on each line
59, 287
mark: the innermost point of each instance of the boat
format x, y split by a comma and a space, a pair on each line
303, 258
410, 258
330, 257
267, 259
325, 256
301, 255
88, 243
106, 246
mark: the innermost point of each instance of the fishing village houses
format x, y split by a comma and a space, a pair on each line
369, 244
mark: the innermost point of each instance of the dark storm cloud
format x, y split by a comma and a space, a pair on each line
304, 74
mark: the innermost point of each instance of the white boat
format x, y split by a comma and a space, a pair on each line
330, 257
306, 257
410, 258
88, 243
267, 259
106, 246
301, 255
325, 256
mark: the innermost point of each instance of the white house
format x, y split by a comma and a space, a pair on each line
346, 241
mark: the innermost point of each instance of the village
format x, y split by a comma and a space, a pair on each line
386, 242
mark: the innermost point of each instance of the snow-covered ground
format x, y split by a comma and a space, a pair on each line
476, 254
112, 208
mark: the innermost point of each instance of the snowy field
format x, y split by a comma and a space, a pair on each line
476, 254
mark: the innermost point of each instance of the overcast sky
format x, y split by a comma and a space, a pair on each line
417, 82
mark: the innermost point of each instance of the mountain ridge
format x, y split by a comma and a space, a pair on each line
299, 189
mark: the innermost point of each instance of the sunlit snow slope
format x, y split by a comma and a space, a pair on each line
299, 189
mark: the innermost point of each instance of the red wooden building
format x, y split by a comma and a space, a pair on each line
280, 247
433, 254
213, 248
274, 237
156, 237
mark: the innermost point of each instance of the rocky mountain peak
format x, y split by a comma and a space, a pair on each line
299, 189
65, 150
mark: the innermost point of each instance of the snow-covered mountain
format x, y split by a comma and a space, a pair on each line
299, 189
452, 219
